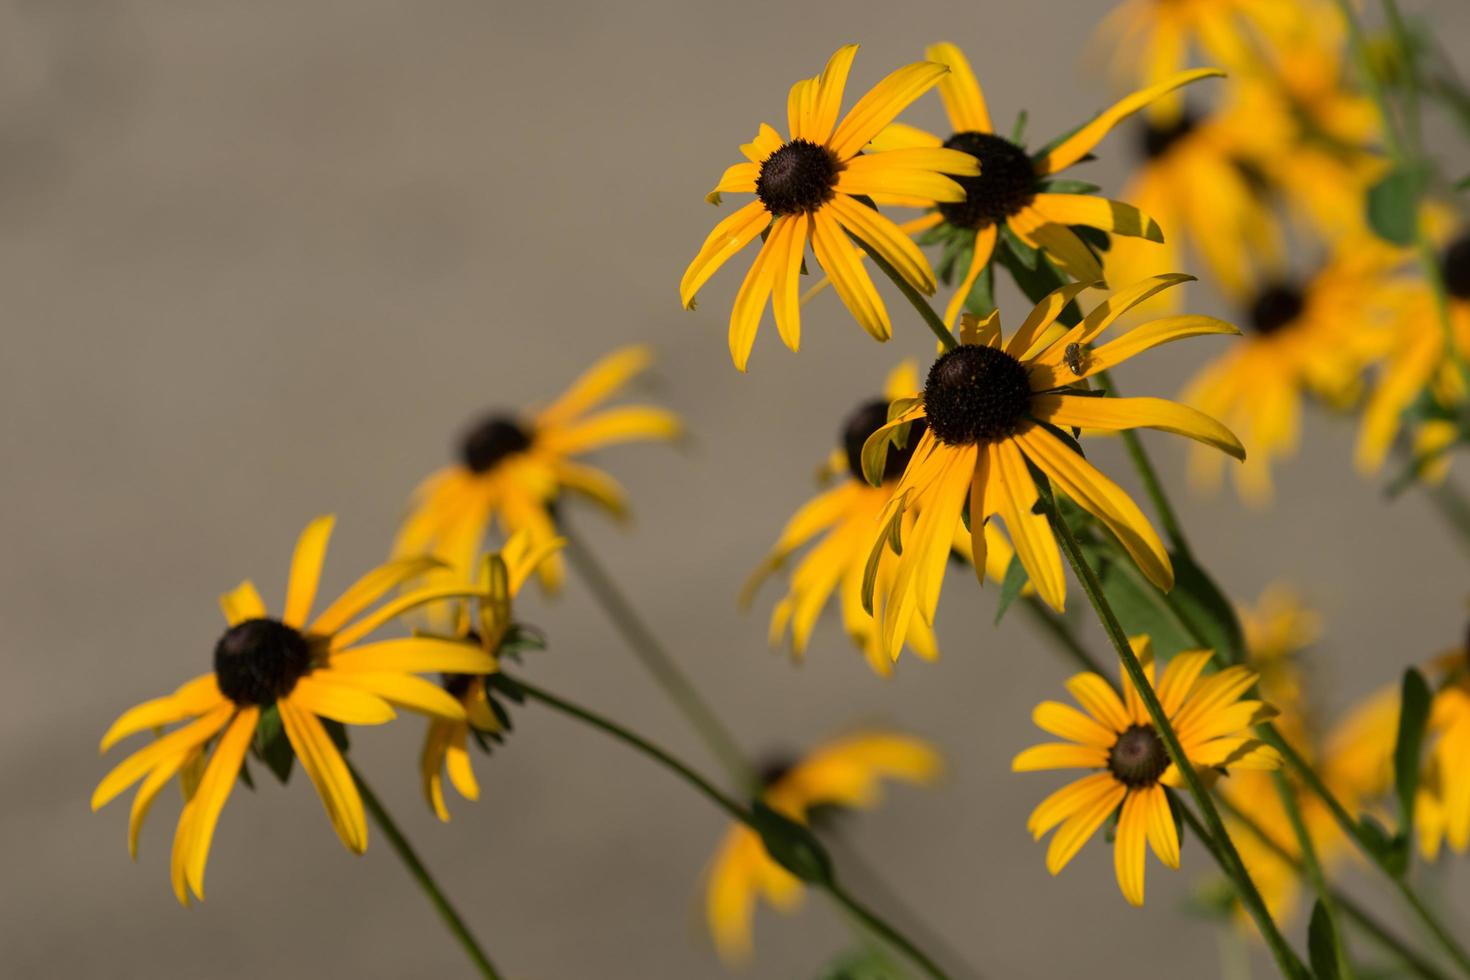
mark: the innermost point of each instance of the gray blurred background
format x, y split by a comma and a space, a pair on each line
261, 261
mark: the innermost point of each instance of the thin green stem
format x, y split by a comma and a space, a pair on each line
1286, 959
657, 661
931, 319
1313, 868
421, 875
1059, 631
1152, 485
734, 809
1360, 916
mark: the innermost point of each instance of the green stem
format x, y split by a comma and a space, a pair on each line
732, 808
1058, 630
1355, 832
1350, 908
657, 661
421, 874
1286, 959
1152, 485
1313, 868
931, 319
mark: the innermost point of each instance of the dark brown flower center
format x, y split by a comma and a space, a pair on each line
491, 441
862, 423
260, 660
1007, 181
1457, 268
976, 395
797, 178
1138, 758
1276, 306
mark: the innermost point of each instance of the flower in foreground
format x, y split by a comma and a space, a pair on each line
446, 743
1115, 737
1315, 337
302, 669
513, 468
808, 189
844, 517
844, 773
991, 408
1019, 192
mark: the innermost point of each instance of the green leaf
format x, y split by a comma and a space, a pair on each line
1024, 254
337, 732
271, 745
1037, 280
1463, 184
792, 845
1018, 131
1011, 586
1393, 206
1413, 716
1322, 945
1064, 185
1203, 606
1140, 607
981, 300
1392, 851
862, 964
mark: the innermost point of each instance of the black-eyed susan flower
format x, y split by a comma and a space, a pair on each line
1153, 39
512, 468
809, 187
300, 668
991, 408
846, 773
844, 517
485, 623
1115, 737
1016, 192
1315, 337
1418, 361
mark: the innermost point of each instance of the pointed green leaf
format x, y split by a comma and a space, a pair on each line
1322, 945
1413, 717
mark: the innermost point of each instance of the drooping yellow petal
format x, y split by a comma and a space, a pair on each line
1114, 414
1082, 142
790, 235
340, 702
1071, 798
843, 264
964, 102
1141, 338
1029, 531
881, 104
1163, 835
457, 764
828, 101
193, 698
369, 589
402, 690
148, 792
1098, 212
1103, 314
1072, 834
242, 603
896, 248
135, 766
328, 772
755, 289
979, 259
420, 654
306, 570
1128, 847
729, 237
214, 790
431, 767
593, 484
389, 611
1101, 497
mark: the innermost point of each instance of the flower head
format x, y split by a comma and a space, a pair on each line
486, 623
846, 773
841, 521
286, 675
513, 468
810, 187
1020, 192
1116, 738
992, 408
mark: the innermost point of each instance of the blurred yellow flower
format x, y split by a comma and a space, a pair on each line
992, 409
513, 468
1116, 738
809, 188
843, 773
304, 670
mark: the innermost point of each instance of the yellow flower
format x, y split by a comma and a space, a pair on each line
844, 773
1014, 189
513, 468
990, 408
1418, 360
1277, 628
305, 670
1313, 338
1232, 227
808, 189
446, 744
845, 516
1278, 881
1152, 38
1449, 748
1116, 738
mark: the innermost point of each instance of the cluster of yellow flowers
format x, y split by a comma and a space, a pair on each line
979, 458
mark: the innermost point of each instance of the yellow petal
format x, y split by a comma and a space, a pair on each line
874, 176
1113, 414
885, 238
750, 299
190, 700
135, 766
1163, 835
1067, 722
1042, 316
457, 764
964, 102
1030, 533
306, 570
1134, 342
901, 136
828, 102
1082, 142
1098, 212
1071, 798
790, 233
800, 102
369, 589
1179, 676
1072, 834
984, 248
882, 103
729, 237
738, 178
328, 772
389, 611
148, 792
340, 702
843, 264
1128, 844
766, 142
1067, 252
403, 690
420, 654
1059, 755
431, 767
1102, 702
597, 384
1102, 316
214, 789
625, 423
241, 604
